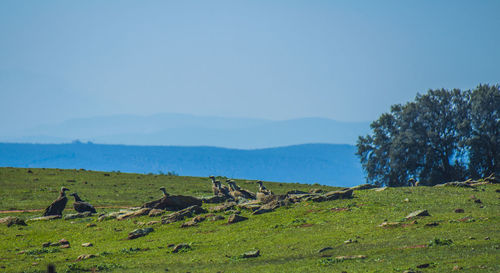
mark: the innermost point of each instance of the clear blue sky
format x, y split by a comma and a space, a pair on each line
345, 60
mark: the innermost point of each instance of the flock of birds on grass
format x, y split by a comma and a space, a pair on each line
172, 202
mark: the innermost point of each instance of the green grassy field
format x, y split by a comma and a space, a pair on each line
288, 238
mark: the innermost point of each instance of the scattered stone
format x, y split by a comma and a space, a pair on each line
334, 195
316, 191
350, 241
63, 242
156, 212
406, 200
139, 212
194, 221
12, 220
45, 218
91, 225
111, 215
250, 206
233, 211
409, 224
64, 246
456, 184
182, 214
150, 223
342, 258
276, 201
181, 247
418, 213
380, 189
251, 254
478, 201
325, 249
486, 238
234, 218
85, 257
87, 244
223, 207
77, 215
139, 233
261, 211
459, 210
456, 268
217, 218
363, 187
389, 224
423, 265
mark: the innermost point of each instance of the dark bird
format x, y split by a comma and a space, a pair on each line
81, 206
236, 191
57, 207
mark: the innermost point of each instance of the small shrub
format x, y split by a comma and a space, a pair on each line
440, 242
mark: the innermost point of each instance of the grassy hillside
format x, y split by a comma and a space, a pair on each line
289, 239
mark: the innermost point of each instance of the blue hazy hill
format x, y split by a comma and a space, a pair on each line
329, 164
189, 130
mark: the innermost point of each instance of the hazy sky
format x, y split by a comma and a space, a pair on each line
345, 60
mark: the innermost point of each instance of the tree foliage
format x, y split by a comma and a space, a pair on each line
443, 135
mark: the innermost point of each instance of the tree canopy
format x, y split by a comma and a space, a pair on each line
443, 135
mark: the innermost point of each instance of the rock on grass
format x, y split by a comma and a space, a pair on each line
11, 220
181, 248
417, 213
85, 257
251, 254
139, 233
234, 218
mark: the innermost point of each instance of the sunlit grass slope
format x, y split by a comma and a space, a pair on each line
288, 238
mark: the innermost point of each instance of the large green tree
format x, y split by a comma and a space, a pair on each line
443, 135
484, 139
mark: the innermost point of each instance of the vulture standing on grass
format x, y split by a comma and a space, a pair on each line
154, 203
81, 206
215, 185
219, 189
57, 207
172, 202
263, 192
236, 191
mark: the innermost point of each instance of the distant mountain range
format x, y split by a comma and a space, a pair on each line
328, 164
189, 130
